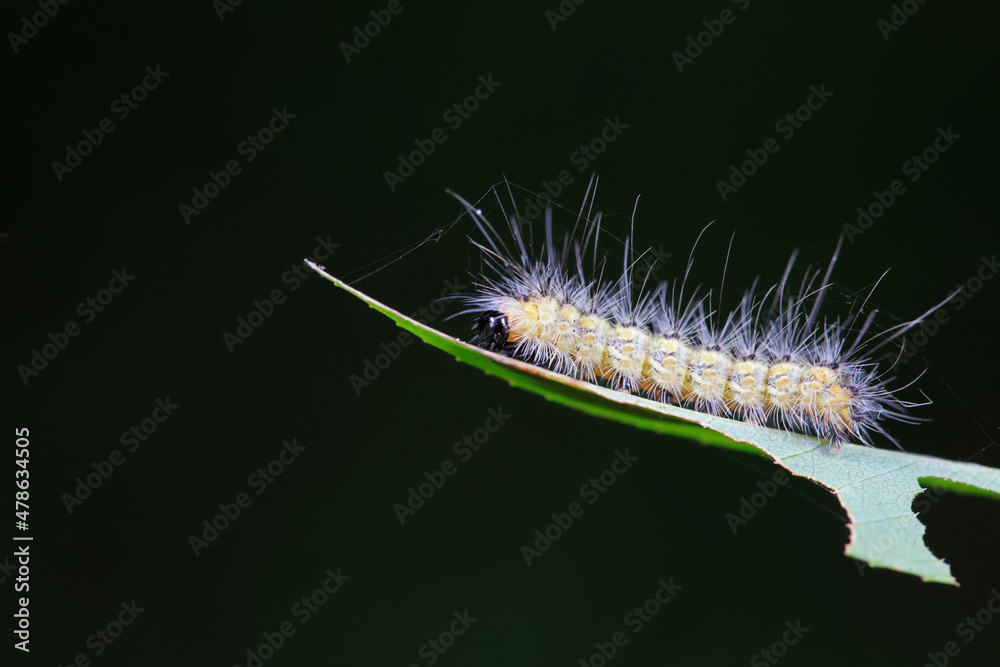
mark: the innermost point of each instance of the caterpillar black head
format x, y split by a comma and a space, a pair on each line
491, 332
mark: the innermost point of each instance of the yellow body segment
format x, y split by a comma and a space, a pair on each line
547, 316
667, 366
708, 375
784, 387
625, 353
747, 387
565, 331
589, 352
522, 319
824, 397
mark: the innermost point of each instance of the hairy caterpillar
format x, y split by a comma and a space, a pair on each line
772, 361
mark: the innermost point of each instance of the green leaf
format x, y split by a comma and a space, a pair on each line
875, 486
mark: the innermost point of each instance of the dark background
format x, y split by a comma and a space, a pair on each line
323, 176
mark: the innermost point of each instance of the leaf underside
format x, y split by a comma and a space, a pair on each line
876, 487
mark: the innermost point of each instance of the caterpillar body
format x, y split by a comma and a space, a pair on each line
772, 361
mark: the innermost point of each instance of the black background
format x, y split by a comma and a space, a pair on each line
323, 176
